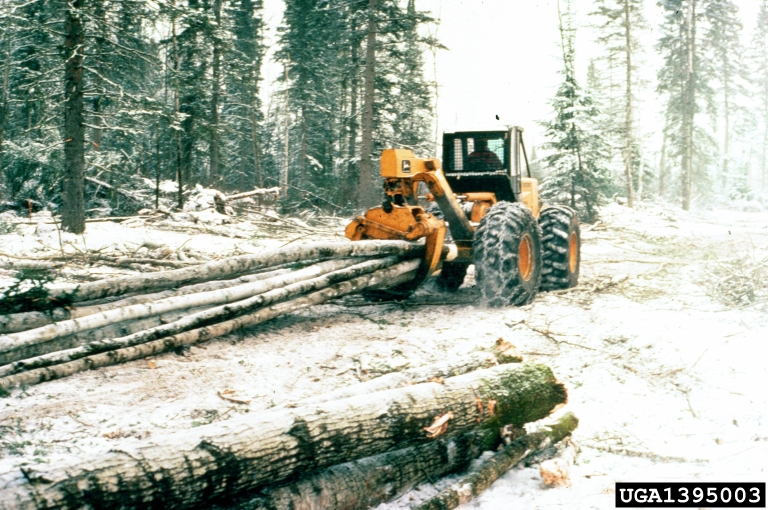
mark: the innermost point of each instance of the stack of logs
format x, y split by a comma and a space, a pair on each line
352, 448
120, 319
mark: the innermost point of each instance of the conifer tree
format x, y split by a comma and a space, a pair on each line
577, 175
759, 73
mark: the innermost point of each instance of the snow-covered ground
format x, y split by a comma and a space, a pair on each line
667, 380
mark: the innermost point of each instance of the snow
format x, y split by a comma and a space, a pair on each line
667, 381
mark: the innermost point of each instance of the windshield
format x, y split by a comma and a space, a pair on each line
481, 152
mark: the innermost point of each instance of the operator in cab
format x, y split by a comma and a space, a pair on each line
483, 158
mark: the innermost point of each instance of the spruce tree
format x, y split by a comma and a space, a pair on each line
577, 174
759, 74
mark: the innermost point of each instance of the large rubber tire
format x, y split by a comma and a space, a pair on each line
507, 253
452, 275
561, 254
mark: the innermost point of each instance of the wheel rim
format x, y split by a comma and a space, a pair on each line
525, 257
573, 252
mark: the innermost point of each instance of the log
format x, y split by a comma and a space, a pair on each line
30, 264
442, 370
395, 275
116, 190
23, 339
218, 461
257, 192
232, 267
491, 469
16, 322
209, 315
368, 482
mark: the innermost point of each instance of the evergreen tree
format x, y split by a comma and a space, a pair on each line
725, 53
759, 72
577, 175
685, 78
622, 20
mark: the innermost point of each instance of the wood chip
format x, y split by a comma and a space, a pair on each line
439, 426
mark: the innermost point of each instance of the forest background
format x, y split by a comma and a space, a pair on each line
620, 98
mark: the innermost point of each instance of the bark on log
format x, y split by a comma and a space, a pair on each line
442, 370
210, 315
368, 482
10, 343
13, 323
491, 469
395, 275
30, 264
234, 266
221, 460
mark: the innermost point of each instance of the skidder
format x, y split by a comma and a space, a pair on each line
481, 211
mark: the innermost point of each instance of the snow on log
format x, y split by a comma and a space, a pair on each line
491, 469
435, 371
279, 289
234, 266
23, 339
218, 461
368, 482
273, 192
13, 323
394, 275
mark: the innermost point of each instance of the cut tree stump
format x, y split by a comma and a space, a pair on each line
491, 469
221, 460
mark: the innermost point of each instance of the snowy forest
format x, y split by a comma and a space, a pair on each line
135, 92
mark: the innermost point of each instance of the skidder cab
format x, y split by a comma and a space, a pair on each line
480, 209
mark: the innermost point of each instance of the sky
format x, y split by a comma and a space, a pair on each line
504, 59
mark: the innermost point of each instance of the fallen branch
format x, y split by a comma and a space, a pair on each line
274, 192
491, 469
116, 190
221, 460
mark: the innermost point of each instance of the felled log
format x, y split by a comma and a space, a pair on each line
24, 339
16, 322
395, 275
119, 191
426, 373
368, 482
275, 290
491, 469
218, 461
273, 192
30, 264
232, 267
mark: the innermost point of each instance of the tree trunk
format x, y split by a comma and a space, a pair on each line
213, 173
221, 460
689, 109
400, 273
366, 161
442, 370
628, 148
286, 156
492, 469
663, 164
177, 111
4, 92
368, 482
234, 266
73, 186
8, 343
727, 135
242, 299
